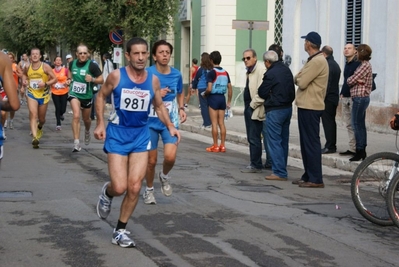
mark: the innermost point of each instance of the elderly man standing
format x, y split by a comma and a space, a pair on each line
312, 82
278, 90
254, 112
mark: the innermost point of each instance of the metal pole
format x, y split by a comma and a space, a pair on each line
250, 32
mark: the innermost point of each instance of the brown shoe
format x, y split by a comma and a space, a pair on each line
311, 185
298, 181
274, 177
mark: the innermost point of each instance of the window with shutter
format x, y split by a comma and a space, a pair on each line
278, 22
354, 21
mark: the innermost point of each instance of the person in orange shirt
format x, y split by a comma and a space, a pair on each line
59, 91
15, 73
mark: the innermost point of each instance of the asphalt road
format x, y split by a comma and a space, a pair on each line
217, 216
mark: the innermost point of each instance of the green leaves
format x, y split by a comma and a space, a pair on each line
46, 23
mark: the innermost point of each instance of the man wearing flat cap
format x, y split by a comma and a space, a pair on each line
312, 82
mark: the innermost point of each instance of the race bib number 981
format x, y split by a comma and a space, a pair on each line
134, 100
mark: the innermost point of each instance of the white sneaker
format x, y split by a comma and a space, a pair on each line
87, 138
149, 197
165, 186
122, 239
104, 203
76, 147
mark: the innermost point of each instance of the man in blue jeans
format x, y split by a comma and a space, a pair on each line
278, 91
254, 112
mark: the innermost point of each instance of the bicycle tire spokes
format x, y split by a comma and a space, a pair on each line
370, 184
393, 200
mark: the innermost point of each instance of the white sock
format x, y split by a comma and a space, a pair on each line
76, 141
164, 176
149, 188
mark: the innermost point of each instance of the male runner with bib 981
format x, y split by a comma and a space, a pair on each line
127, 137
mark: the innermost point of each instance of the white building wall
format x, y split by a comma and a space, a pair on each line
388, 65
380, 30
217, 32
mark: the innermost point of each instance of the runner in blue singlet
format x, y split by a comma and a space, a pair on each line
173, 98
127, 137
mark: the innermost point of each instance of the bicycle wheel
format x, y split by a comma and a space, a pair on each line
370, 184
393, 199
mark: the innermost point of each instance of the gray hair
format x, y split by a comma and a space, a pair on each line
270, 56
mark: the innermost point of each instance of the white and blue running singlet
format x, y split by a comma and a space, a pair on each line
132, 101
174, 82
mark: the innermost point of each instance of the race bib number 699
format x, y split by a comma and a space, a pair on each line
135, 100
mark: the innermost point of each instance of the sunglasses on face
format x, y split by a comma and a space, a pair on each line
246, 58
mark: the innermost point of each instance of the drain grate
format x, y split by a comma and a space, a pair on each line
14, 194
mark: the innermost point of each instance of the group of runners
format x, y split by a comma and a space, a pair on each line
148, 104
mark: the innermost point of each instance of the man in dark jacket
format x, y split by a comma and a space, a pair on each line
330, 102
346, 101
278, 91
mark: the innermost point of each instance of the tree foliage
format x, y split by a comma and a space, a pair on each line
46, 23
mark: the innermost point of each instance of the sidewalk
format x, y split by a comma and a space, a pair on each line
377, 142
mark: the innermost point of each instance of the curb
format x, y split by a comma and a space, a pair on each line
330, 160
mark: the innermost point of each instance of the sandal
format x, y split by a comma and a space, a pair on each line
212, 148
222, 148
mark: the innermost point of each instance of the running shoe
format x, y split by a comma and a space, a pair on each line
35, 143
149, 197
76, 147
202, 127
11, 125
122, 239
165, 186
104, 203
87, 138
213, 148
251, 169
39, 133
58, 128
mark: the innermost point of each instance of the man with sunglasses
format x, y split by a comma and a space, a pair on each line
254, 111
84, 74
